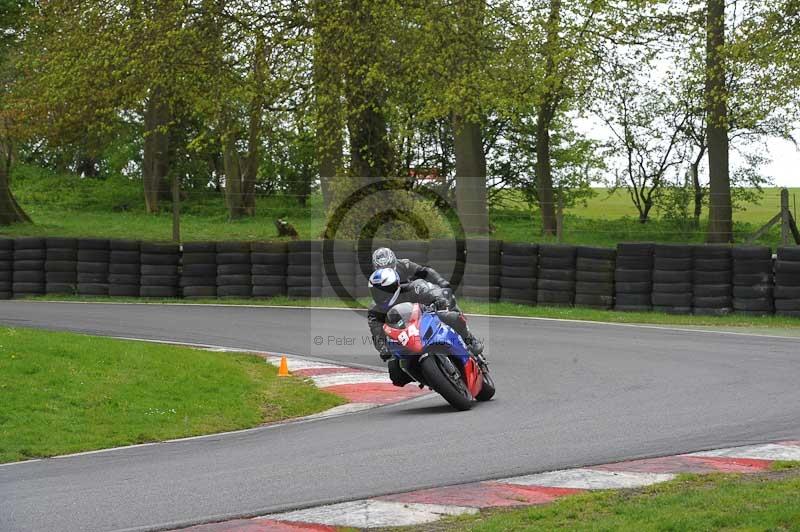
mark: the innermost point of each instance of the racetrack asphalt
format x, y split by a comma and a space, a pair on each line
569, 394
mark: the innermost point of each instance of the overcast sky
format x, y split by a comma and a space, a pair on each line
785, 166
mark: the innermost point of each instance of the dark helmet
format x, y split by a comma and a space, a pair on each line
383, 258
384, 287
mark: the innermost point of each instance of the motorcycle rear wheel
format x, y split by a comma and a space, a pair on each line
439, 381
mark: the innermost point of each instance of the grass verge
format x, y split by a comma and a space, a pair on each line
767, 501
64, 393
70, 206
490, 309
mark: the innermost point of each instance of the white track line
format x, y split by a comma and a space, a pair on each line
769, 451
589, 479
372, 514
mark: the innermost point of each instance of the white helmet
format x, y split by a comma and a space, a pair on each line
384, 286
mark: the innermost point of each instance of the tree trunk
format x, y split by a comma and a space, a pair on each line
544, 119
470, 176
327, 97
249, 166
720, 212
10, 211
694, 172
233, 178
155, 166
544, 174
370, 151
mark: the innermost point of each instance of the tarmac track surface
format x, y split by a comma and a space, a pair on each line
569, 394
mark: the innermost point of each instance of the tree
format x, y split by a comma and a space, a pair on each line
720, 212
647, 127
11, 19
328, 92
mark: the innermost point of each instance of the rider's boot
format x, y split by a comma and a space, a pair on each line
474, 345
397, 375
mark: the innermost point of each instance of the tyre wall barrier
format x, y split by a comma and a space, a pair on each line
61, 266
339, 268
6, 267
304, 269
787, 282
93, 263
198, 273
699, 279
633, 277
29, 273
753, 280
712, 281
159, 270
482, 270
124, 268
234, 267
519, 271
672, 278
268, 263
594, 277
556, 278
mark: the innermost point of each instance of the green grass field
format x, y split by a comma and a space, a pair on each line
66, 205
64, 393
763, 502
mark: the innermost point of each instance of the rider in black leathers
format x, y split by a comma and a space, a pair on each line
418, 291
407, 270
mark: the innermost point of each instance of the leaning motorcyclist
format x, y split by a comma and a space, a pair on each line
408, 270
411, 271
387, 291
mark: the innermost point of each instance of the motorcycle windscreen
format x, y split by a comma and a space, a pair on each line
400, 315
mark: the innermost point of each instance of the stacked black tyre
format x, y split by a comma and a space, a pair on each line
338, 269
124, 268
363, 268
413, 250
29, 273
61, 266
199, 270
268, 268
304, 269
752, 280
482, 270
519, 268
594, 277
93, 258
633, 277
672, 278
787, 282
556, 279
712, 281
6, 268
234, 267
159, 270
448, 257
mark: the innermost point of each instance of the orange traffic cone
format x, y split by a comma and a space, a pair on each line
283, 369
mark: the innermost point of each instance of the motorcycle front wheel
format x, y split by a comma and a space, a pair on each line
487, 392
440, 380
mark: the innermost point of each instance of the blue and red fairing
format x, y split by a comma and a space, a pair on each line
422, 334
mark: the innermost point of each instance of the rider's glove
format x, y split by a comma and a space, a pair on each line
383, 349
441, 304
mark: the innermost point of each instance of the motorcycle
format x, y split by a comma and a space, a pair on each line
434, 355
